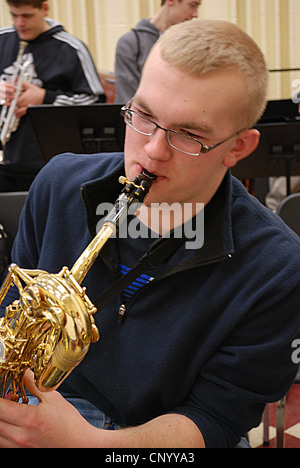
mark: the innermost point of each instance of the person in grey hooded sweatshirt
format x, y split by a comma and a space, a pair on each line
134, 46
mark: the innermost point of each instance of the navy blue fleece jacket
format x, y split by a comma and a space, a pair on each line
210, 337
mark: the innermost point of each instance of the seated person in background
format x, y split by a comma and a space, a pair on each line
134, 46
191, 358
62, 73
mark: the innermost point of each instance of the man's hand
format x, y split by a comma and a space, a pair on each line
7, 92
31, 95
54, 423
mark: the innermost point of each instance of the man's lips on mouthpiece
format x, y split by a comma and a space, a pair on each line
158, 176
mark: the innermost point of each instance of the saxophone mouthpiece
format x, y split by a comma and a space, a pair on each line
140, 185
145, 179
145, 175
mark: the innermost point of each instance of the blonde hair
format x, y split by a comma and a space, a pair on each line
202, 46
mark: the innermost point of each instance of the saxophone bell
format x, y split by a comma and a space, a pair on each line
51, 327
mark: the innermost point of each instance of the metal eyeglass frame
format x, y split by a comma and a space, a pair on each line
125, 110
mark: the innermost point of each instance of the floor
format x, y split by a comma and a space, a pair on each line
292, 423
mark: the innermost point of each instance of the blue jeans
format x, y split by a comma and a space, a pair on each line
88, 411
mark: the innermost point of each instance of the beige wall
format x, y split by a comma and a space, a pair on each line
274, 24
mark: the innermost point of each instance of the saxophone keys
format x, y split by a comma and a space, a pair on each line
95, 331
123, 180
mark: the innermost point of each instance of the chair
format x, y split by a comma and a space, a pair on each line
289, 211
11, 205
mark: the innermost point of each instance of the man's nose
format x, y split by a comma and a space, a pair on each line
19, 21
158, 147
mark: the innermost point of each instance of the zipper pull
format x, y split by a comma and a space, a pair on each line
121, 314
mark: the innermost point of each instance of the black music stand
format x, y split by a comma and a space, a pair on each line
98, 128
282, 110
278, 153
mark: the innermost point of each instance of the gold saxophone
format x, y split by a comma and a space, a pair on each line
22, 72
50, 328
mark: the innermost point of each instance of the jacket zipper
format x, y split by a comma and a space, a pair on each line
124, 307
121, 314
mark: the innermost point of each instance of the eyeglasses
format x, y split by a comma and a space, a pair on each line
177, 140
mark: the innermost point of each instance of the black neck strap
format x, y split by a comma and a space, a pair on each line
159, 251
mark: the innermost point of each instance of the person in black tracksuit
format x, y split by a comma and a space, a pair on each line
63, 74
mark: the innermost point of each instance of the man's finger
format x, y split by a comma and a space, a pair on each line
29, 384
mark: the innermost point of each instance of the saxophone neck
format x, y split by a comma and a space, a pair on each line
134, 191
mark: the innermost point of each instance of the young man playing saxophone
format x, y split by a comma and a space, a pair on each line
207, 342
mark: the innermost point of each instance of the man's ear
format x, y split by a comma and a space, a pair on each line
245, 143
46, 8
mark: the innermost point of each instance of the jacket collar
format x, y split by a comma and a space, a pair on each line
218, 239
101, 190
